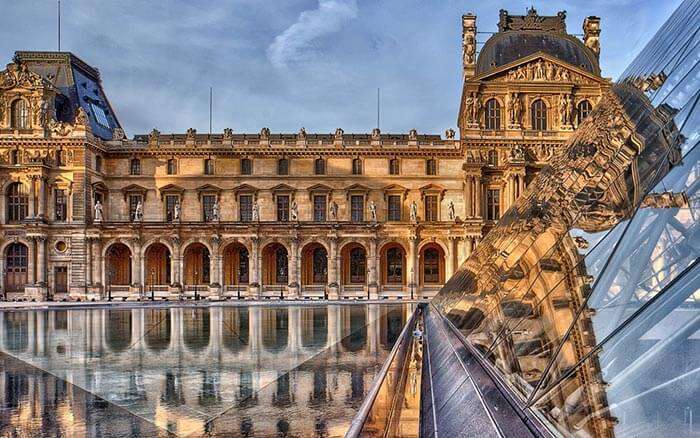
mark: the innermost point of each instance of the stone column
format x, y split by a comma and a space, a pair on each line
293, 269
374, 268
214, 265
254, 259
41, 260
96, 260
89, 261
32, 196
333, 287
451, 265
136, 277
412, 266
42, 197
479, 197
31, 256
177, 264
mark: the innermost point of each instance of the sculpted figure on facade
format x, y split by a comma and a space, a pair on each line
81, 117
154, 136
255, 211
412, 134
98, 211
376, 134
450, 134
514, 109
372, 212
118, 134
138, 212
473, 105
338, 134
414, 212
228, 133
265, 133
451, 211
334, 211
176, 212
302, 134
215, 212
294, 212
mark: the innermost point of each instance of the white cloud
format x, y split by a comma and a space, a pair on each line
296, 41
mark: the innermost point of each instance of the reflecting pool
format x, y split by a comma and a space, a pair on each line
261, 370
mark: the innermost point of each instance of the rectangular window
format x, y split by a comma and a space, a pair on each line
208, 202
209, 166
100, 115
60, 205
245, 203
172, 169
283, 208
493, 204
246, 166
357, 208
170, 202
431, 208
394, 202
133, 202
319, 208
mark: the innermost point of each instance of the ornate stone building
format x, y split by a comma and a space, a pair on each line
90, 213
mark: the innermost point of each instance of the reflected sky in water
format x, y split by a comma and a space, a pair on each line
231, 370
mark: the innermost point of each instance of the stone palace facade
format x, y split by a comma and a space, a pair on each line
88, 213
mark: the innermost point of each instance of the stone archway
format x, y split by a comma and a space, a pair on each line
275, 264
197, 264
158, 264
314, 264
16, 267
393, 264
236, 264
118, 265
354, 264
432, 265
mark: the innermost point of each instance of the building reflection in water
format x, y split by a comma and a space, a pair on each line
258, 370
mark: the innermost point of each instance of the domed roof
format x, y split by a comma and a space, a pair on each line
522, 35
506, 47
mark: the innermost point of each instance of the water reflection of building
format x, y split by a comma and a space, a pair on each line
277, 215
165, 364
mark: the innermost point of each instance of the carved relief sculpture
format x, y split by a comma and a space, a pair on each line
334, 211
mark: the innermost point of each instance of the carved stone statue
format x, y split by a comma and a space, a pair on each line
256, 211
302, 133
98, 211
215, 212
539, 70
334, 211
154, 136
450, 134
569, 110
81, 117
228, 133
414, 212
339, 134
376, 134
176, 212
451, 211
265, 133
562, 110
138, 213
476, 106
469, 49
515, 108
191, 133
372, 211
412, 134
294, 211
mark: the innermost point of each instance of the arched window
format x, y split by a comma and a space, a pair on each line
358, 265
356, 166
283, 166
320, 266
281, 265
135, 166
538, 111
16, 267
493, 115
394, 266
583, 109
171, 166
19, 114
394, 166
17, 202
430, 167
208, 166
431, 266
246, 166
320, 166
98, 163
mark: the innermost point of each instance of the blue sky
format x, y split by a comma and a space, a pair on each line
285, 64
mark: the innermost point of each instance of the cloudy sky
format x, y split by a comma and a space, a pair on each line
292, 63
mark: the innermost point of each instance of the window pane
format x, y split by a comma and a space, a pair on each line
394, 207
493, 115
493, 204
358, 265
208, 202
246, 206
283, 208
60, 206
357, 208
319, 208
320, 166
431, 208
246, 166
170, 202
133, 203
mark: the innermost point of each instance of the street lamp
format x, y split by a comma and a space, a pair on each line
153, 279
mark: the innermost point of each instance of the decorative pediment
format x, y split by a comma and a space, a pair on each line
208, 188
540, 67
171, 189
245, 188
357, 188
282, 188
395, 188
99, 187
432, 189
134, 189
61, 182
318, 188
